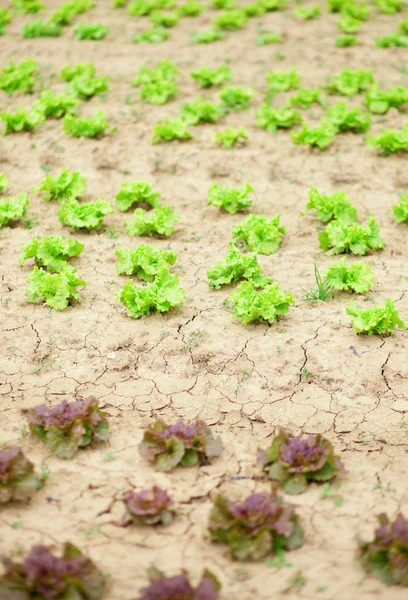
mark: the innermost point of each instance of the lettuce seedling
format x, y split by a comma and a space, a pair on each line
390, 140
318, 136
56, 289
333, 206
179, 587
345, 41
236, 98
159, 221
28, 6
69, 426
19, 77
4, 182
261, 235
230, 199
51, 252
163, 71
336, 6
201, 110
380, 101
340, 237
90, 31
18, 479
136, 192
305, 97
162, 294
231, 136
403, 26
153, 35
234, 267
145, 261
389, 7
348, 24
253, 9
356, 277
273, 119
68, 10
90, 127
207, 36
12, 209
260, 525
79, 70
171, 129
149, 507
307, 13
5, 19
191, 8
164, 19
68, 185
375, 320
142, 8
395, 39
350, 82
230, 20
224, 4
282, 81
358, 10
263, 38
347, 118
43, 575
386, 556
400, 210
169, 446
207, 76
21, 120
86, 86
272, 5
294, 462
252, 304
55, 107
158, 92
89, 215
40, 28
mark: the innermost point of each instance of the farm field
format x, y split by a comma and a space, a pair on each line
308, 372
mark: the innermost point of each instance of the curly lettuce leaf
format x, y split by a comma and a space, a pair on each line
228, 198
400, 210
90, 127
319, 136
356, 276
51, 252
159, 221
68, 185
340, 237
13, 208
211, 76
19, 77
171, 129
390, 140
347, 118
265, 304
231, 136
21, 120
89, 215
145, 261
375, 320
261, 235
136, 192
350, 82
236, 98
282, 81
90, 31
56, 289
380, 101
234, 267
273, 119
333, 206
201, 110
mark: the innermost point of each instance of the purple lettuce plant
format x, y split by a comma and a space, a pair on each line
69, 426
386, 556
293, 462
149, 507
17, 477
179, 587
43, 576
260, 525
167, 446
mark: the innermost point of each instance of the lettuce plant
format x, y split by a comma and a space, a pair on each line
273, 119
348, 24
400, 210
13, 208
333, 206
145, 261
4, 182
66, 11
389, 7
386, 556
263, 38
164, 19
273, 5
159, 221
79, 70
266, 304
347, 118
51, 252
68, 185
169, 446
207, 36
356, 277
403, 26
357, 10
230, 136
375, 320
56, 289
141, 8
164, 70
236, 98
28, 6
90, 127
390, 140
90, 31
179, 587
149, 507
380, 101
234, 267
395, 39
261, 235
295, 462
169, 130
5, 19
336, 6
306, 13
191, 8
350, 82
40, 28
19, 77
260, 525
136, 192
201, 110
305, 97
224, 4
21, 120
158, 92
253, 9
86, 86
54, 106
318, 136
209, 76
230, 20
89, 215
282, 81
339, 237
228, 198
162, 294
43, 575
69, 426
18, 479
154, 35
345, 41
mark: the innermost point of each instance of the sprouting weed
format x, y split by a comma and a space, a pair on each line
322, 291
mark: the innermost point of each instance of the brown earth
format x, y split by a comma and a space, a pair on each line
199, 361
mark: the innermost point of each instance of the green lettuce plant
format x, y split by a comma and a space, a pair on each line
376, 320
273, 119
345, 41
236, 98
68, 185
400, 210
13, 208
39, 28
211, 76
339, 237
380, 101
4, 182
230, 20
169, 130
54, 106
158, 221
57, 290
347, 118
145, 261
396, 39
201, 110
282, 81
21, 120
251, 303
331, 206
260, 234
390, 140
89, 215
90, 31
234, 267
230, 199
89, 127
264, 38
191, 8
305, 97
19, 77
350, 82
154, 35
317, 136
230, 136
51, 252
306, 13
5, 18
136, 192
207, 36
355, 277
